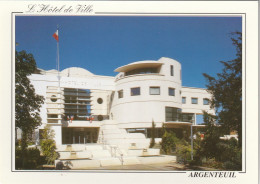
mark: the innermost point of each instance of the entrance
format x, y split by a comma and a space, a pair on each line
79, 135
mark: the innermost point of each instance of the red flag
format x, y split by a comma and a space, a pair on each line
56, 36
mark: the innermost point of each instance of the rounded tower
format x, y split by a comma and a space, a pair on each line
144, 90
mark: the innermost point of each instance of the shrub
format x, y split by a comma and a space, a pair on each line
152, 143
28, 159
183, 151
48, 145
168, 144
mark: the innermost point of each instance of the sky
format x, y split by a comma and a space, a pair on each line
101, 44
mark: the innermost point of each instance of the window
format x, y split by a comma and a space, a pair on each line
52, 115
172, 70
172, 114
54, 98
154, 90
142, 71
135, 91
100, 100
100, 118
205, 101
180, 74
171, 92
187, 117
78, 103
194, 100
183, 100
120, 94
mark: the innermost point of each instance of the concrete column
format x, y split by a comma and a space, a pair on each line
58, 134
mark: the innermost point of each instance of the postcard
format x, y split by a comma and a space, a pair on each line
134, 91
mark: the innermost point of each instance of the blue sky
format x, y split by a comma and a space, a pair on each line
100, 44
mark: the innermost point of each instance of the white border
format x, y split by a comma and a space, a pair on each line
160, 9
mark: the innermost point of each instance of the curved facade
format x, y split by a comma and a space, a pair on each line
82, 107
145, 95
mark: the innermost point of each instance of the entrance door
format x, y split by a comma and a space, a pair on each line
79, 135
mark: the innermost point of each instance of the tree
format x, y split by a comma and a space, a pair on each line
212, 137
227, 91
48, 145
27, 102
152, 143
169, 141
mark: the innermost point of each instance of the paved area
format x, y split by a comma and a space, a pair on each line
148, 167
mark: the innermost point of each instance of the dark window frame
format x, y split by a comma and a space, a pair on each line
155, 87
194, 99
183, 98
131, 94
169, 91
172, 70
206, 100
120, 92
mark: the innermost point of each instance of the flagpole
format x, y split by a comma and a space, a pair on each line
58, 58
59, 90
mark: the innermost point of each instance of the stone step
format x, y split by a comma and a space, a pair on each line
110, 161
100, 154
130, 161
78, 164
94, 147
75, 155
157, 159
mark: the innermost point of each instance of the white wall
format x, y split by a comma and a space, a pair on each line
145, 107
199, 93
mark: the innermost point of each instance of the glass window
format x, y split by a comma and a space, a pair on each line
172, 114
135, 91
187, 117
205, 101
120, 94
100, 117
184, 100
172, 70
100, 100
142, 71
171, 92
154, 90
194, 100
54, 98
52, 115
78, 103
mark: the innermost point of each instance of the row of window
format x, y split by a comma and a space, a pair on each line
195, 101
156, 91
153, 91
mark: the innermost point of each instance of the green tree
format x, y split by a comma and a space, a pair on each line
27, 102
169, 140
211, 137
48, 145
152, 143
227, 91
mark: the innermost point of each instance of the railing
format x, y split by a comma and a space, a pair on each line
114, 151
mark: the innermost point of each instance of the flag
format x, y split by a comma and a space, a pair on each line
56, 36
91, 118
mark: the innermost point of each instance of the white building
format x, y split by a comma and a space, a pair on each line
123, 107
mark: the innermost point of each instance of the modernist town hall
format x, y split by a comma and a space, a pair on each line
83, 108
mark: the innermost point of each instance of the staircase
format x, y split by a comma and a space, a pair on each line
115, 147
